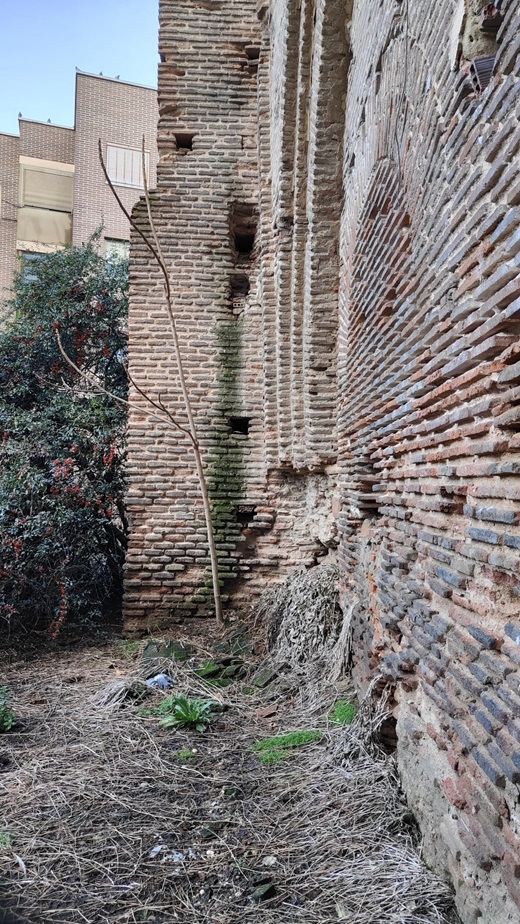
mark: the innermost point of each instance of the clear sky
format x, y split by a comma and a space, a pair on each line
43, 41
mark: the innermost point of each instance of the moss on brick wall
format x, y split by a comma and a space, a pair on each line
226, 461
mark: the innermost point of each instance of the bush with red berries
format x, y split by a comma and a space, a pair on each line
62, 518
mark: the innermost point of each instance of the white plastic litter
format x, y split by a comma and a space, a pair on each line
160, 682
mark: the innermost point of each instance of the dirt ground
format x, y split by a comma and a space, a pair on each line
106, 816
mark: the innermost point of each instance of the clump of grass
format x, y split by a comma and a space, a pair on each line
277, 748
342, 713
5, 840
7, 718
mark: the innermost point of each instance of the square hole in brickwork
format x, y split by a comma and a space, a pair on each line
184, 141
243, 228
239, 425
244, 242
239, 286
252, 53
245, 513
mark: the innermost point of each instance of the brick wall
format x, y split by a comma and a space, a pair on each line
206, 196
428, 450
9, 154
49, 142
118, 113
374, 352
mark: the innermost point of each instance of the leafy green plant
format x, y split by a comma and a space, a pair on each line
342, 713
277, 748
62, 518
181, 712
5, 840
7, 718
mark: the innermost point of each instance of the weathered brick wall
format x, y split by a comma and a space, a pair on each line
428, 451
374, 352
206, 177
268, 519
9, 159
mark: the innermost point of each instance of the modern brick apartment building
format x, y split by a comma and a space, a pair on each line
338, 200
52, 190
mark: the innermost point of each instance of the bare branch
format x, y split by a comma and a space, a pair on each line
93, 380
157, 404
125, 212
191, 431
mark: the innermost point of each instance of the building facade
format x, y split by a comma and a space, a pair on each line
338, 200
52, 190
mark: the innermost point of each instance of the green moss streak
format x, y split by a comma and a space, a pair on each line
225, 462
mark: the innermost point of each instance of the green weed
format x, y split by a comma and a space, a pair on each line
131, 649
181, 712
273, 750
187, 754
293, 739
342, 713
7, 718
5, 840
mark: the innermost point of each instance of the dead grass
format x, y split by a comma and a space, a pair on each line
107, 823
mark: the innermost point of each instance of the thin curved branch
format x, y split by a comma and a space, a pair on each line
158, 256
127, 214
157, 404
161, 416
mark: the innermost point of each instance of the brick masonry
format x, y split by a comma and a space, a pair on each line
117, 113
9, 159
114, 111
370, 340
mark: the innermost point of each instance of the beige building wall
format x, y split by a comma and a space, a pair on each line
52, 142
45, 187
52, 190
119, 114
9, 157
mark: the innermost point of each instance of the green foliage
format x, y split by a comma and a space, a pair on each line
220, 674
7, 718
273, 756
5, 840
62, 521
342, 713
277, 748
187, 754
181, 712
131, 649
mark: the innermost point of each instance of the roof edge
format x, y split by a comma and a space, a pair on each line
128, 83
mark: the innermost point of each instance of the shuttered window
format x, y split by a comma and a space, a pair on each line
124, 166
47, 189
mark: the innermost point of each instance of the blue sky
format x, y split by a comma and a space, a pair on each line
43, 41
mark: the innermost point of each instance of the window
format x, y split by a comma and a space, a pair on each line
124, 166
45, 188
116, 249
28, 262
